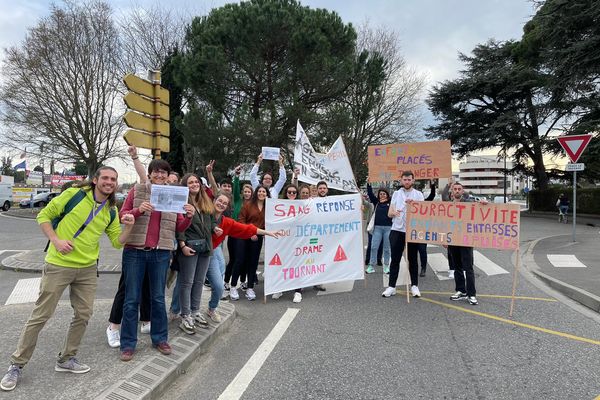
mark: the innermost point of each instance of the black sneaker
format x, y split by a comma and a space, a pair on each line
422, 274
458, 296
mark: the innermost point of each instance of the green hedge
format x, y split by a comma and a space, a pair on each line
588, 200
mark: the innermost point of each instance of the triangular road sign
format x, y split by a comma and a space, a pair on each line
275, 260
574, 145
339, 254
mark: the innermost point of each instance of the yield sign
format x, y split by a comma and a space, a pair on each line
275, 260
340, 255
574, 145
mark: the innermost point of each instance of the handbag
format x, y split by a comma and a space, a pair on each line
371, 224
200, 246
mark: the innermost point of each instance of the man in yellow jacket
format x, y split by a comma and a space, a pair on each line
71, 261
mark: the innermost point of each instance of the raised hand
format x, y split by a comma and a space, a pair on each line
209, 167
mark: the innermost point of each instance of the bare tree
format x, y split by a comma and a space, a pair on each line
61, 86
149, 34
383, 104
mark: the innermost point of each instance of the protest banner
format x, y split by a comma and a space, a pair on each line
321, 242
427, 160
493, 226
333, 167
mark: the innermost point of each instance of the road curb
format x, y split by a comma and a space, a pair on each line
581, 296
153, 377
12, 263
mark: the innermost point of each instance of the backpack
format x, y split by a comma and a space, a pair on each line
71, 204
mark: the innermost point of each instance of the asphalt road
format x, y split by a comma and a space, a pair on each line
359, 345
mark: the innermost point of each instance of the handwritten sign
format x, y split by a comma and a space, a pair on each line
427, 160
492, 226
319, 243
270, 153
333, 167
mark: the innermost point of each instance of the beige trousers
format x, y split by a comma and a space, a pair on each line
55, 279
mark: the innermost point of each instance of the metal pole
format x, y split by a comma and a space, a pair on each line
505, 173
574, 202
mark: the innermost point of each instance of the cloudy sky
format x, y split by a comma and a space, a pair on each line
431, 32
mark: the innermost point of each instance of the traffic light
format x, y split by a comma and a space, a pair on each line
148, 114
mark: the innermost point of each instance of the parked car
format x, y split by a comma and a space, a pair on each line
120, 196
39, 200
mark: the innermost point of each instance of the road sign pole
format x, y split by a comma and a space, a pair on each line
154, 77
574, 202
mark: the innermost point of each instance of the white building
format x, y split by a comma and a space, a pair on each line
483, 175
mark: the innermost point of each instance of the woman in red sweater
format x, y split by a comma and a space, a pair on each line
229, 227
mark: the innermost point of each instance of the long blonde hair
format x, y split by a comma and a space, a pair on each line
200, 200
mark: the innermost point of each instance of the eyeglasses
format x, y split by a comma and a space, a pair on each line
292, 192
160, 172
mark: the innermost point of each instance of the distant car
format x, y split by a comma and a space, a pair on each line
120, 196
39, 200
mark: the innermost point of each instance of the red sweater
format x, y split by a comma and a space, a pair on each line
234, 229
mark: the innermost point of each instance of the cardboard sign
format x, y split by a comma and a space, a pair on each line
270, 153
333, 167
427, 160
492, 226
319, 242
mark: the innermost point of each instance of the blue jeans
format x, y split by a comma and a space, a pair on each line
135, 264
381, 233
175, 306
216, 269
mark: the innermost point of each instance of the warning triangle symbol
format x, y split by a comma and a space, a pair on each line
340, 255
275, 260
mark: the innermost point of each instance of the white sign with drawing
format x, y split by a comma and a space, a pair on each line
333, 167
167, 198
270, 153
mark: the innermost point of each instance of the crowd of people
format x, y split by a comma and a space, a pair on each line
185, 251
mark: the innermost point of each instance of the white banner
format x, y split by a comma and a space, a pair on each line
321, 243
333, 167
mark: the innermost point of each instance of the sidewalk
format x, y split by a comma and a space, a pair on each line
580, 284
147, 376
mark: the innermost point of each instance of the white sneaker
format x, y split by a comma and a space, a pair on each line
389, 291
250, 295
297, 297
414, 290
277, 295
145, 328
233, 294
451, 274
113, 336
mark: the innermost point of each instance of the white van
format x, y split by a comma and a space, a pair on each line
6, 187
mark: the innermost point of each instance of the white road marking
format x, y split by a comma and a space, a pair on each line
242, 380
11, 251
565, 261
25, 291
439, 264
337, 287
487, 265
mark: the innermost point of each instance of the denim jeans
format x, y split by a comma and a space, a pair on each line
135, 264
216, 269
192, 272
381, 234
175, 306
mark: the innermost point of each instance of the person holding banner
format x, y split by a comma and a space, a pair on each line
462, 258
381, 229
397, 211
304, 192
291, 193
267, 178
253, 212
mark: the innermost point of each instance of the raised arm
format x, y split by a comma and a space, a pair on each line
254, 172
211, 177
282, 176
139, 168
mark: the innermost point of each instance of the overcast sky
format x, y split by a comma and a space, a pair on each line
431, 32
